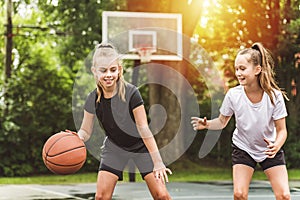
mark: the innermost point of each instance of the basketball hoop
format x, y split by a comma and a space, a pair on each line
145, 53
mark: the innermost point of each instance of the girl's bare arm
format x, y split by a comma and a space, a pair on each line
160, 170
214, 124
86, 128
273, 148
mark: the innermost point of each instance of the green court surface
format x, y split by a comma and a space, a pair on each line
138, 191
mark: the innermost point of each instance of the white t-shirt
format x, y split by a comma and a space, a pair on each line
254, 121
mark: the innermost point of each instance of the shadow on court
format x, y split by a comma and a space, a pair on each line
138, 191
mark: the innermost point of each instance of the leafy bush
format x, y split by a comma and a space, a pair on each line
38, 104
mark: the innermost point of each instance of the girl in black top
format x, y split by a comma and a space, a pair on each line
119, 108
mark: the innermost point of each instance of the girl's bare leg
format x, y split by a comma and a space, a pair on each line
106, 183
157, 188
278, 178
242, 175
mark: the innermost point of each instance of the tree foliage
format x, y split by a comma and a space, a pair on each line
37, 95
51, 41
226, 27
37, 109
288, 74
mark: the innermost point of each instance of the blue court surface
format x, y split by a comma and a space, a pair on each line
138, 191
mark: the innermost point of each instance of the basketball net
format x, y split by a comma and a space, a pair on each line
145, 53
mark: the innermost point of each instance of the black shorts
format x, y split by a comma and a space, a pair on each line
242, 157
114, 159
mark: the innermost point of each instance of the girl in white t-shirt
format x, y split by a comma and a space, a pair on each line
259, 109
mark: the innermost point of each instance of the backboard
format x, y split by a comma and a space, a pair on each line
132, 31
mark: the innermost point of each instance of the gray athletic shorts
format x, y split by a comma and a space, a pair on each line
242, 157
114, 159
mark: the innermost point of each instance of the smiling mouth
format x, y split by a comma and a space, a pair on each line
108, 80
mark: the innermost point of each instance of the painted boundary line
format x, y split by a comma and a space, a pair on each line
15, 192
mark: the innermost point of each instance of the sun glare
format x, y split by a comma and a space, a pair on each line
208, 7
203, 21
206, 3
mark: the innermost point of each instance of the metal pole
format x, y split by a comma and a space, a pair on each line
9, 41
131, 165
8, 56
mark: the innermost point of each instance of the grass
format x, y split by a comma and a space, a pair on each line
51, 179
182, 172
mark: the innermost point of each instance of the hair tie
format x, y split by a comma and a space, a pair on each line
256, 47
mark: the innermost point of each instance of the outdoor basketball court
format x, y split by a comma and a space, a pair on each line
145, 37
137, 191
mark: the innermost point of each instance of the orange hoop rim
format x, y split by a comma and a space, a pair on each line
145, 53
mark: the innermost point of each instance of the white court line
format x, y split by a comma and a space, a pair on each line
219, 197
295, 189
52, 192
216, 197
204, 197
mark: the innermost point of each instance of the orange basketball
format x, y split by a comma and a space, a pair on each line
64, 153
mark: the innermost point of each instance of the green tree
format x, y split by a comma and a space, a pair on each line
51, 42
37, 109
37, 95
288, 73
81, 25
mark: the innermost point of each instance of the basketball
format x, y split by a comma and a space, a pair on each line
64, 153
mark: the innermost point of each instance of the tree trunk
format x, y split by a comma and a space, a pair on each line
8, 57
9, 42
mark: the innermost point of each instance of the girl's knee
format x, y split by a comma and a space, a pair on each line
98, 196
162, 195
239, 195
283, 196
102, 196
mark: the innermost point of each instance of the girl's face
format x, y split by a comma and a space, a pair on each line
245, 71
107, 75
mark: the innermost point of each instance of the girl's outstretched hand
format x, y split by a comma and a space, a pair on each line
199, 123
161, 174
